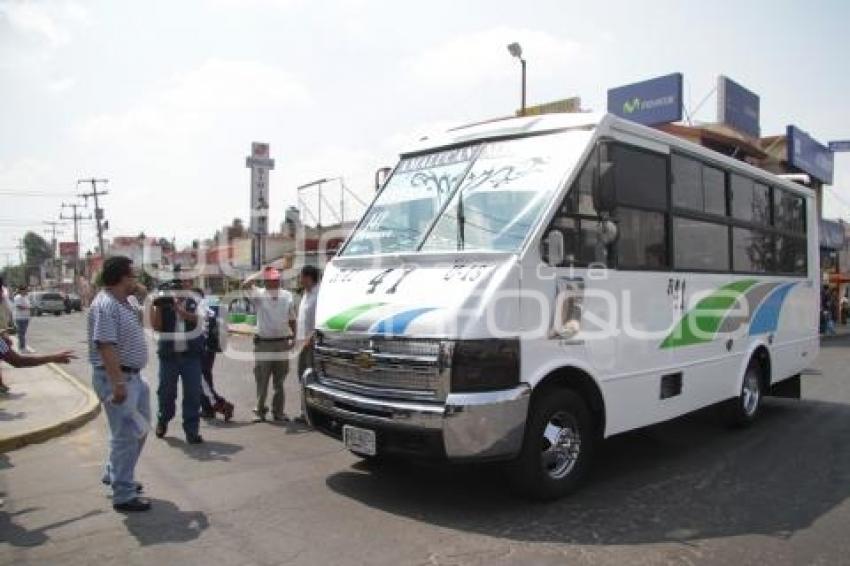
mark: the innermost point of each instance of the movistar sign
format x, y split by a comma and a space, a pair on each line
656, 101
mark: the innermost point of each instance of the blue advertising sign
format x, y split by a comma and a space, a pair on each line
656, 101
809, 155
839, 145
737, 107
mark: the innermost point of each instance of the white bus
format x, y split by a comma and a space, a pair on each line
522, 289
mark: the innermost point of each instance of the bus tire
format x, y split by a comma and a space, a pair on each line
743, 410
557, 448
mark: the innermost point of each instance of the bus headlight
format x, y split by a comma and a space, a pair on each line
485, 365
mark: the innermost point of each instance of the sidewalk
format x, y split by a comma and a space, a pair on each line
43, 402
840, 330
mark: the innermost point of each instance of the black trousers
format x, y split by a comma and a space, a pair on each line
207, 363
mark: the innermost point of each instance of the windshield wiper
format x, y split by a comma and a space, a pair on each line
461, 223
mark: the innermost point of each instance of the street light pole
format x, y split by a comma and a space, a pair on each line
516, 51
523, 87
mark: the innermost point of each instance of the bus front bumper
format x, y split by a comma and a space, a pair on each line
467, 426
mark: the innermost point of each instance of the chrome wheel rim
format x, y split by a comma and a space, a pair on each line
561, 445
751, 393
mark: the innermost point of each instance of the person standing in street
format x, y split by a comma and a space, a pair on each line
272, 343
6, 309
211, 401
118, 353
178, 318
306, 324
21, 305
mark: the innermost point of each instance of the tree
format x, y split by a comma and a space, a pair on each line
14, 276
37, 249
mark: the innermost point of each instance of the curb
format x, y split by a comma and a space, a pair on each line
240, 332
75, 421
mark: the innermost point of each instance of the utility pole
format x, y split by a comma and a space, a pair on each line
20, 247
52, 231
76, 217
98, 212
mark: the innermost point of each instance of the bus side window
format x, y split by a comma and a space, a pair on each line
578, 221
641, 180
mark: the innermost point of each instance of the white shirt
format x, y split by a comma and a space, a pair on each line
274, 311
307, 314
22, 307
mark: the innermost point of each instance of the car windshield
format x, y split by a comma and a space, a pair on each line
52, 297
484, 197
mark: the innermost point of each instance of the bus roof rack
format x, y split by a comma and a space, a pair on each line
800, 178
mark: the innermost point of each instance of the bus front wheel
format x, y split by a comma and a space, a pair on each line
744, 409
558, 445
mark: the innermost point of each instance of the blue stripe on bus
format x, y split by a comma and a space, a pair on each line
766, 317
397, 323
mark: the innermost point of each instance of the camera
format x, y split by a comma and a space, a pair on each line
166, 294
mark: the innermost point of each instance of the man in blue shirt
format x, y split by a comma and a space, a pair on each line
118, 353
177, 316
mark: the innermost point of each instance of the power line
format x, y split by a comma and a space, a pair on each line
36, 194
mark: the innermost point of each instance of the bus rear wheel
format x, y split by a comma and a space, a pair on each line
743, 410
557, 449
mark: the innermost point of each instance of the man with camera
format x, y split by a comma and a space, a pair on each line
177, 318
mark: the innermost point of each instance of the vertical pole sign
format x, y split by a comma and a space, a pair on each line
260, 164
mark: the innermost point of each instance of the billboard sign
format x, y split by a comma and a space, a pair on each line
839, 146
808, 155
737, 107
656, 101
260, 164
68, 251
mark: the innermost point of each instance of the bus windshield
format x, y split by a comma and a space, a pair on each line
484, 197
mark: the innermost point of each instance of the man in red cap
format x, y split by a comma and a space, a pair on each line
273, 342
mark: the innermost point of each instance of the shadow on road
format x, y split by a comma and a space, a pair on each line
17, 535
210, 450
687, 479
841, 341
165, 523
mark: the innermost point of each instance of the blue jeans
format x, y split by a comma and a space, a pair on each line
173, 368
124, 445
22, 325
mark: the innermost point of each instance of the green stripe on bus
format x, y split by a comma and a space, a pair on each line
701, 323
341, 320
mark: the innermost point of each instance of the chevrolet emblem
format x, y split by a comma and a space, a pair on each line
364, 360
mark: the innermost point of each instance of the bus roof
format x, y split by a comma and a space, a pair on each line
607, 125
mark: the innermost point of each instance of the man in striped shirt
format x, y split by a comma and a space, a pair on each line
118, 353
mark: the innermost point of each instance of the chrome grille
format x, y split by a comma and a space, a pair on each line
393, 368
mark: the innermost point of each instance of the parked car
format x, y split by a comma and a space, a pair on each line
46, 301
73, 302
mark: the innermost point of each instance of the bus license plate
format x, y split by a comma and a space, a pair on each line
359, 440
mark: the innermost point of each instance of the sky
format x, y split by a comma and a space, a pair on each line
164, 98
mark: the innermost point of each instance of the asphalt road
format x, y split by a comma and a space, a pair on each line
685, 492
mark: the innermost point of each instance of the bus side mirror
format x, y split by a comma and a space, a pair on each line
604, 191
554, 248
381, 176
